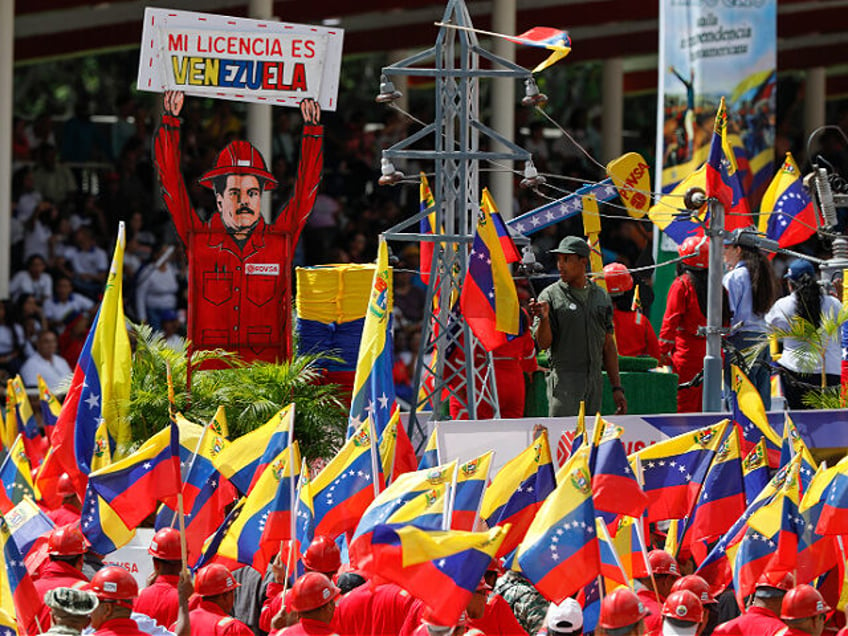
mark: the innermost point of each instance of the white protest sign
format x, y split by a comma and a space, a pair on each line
133, 557
239, 59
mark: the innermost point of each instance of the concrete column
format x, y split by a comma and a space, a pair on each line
7, 59
814, 99
259, 122
503, 102
612, 119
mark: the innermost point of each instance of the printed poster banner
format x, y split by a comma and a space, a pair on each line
239, 59
709, 49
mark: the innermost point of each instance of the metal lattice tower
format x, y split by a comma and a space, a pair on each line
458, 363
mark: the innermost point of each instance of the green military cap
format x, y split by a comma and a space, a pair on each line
572, 245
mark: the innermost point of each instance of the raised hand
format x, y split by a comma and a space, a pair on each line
311, 111
173, 102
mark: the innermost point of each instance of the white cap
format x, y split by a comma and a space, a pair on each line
565, 618
690, 629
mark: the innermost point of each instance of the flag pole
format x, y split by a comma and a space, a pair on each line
449, 499
375, 455
172, 411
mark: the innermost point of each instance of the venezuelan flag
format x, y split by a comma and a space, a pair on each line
373, 384
101, 525
101, 457
442, 568
787, 213
100, 387
27, 424
430, 456
348, 484
629, 545
750, 413
755, 471
266, 518
133, 486
427, 225
669, 215
243, 460
8, 624
560, 552
471, 480
405, 488
27, 523
518, 490
614, 485
50, 407
489, 300
611, 567
722, 177
427, 510
722, 498
396, 453
556, 40
16, 473
673, 470
793, 444
830, 487
304, 525
18, 596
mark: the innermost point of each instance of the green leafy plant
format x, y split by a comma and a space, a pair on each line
249, 393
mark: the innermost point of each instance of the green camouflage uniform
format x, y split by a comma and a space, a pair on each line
528, 605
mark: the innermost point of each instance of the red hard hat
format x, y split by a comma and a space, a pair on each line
662, 562
311, 591
65, 487
66, 541
684, 606
804, 601
239, 158
165, 545
617, 278
621, 608
114, 583
786, 582
695, 256
214, 579
697, 585
323, 555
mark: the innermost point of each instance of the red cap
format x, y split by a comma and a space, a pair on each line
662, 562
684, 606
66, 541
695, 256
804, 601
165, 545
114, 583
64, 486
786, 581
214, 579
621, 608
240, 158
697, 585
617, 278
311, 591
323, 556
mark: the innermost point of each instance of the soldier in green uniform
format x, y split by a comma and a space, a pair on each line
575, 323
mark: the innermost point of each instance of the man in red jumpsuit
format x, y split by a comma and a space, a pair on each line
804, 611
762, 618
239, 266
666, 572
66, 547
161, 600
215, 585
622, 613
314, 599
634, 334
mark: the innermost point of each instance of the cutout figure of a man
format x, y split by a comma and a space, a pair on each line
239, 265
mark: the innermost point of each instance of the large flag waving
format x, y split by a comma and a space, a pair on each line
723, 180
373, 385
100, 387
614, 486
787, 213
489, 300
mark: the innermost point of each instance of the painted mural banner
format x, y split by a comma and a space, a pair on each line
240, 59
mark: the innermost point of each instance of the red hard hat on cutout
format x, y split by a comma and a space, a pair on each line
695, 256
214, 579
683, 605
323, 555
65, 487
621, 608
697, 585
786, 582
66, 541
617, 278
165, 545
239, 158
311, 591
114, 583
803, 601
662, 562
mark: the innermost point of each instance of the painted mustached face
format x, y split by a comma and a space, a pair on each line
240, 203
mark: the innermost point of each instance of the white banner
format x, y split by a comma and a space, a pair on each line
134, 558
239, 59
